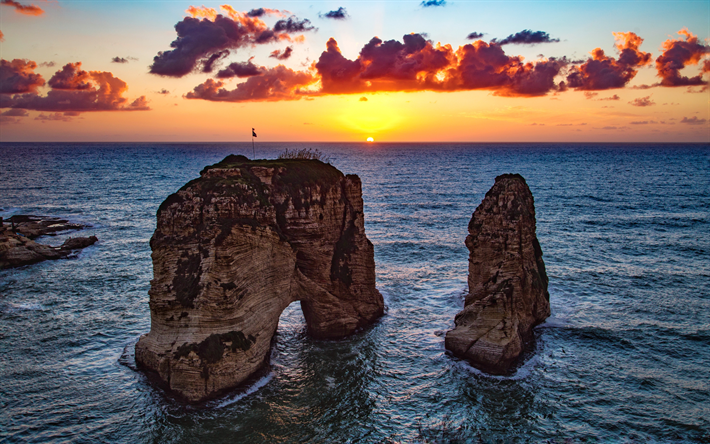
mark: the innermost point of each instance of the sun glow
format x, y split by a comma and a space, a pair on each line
370, 139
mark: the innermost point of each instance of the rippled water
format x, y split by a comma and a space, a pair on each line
625, 356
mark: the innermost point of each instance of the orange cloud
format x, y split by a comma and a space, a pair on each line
677, 54
23, 9
18, 77
279, 83
75, 90
602, 72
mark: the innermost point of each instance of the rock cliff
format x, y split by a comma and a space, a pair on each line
233, 248
507, 280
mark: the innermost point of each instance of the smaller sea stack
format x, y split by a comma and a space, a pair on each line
507, 280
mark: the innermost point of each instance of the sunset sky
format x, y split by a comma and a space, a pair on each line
473, 71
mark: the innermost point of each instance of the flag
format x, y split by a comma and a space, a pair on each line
253, 134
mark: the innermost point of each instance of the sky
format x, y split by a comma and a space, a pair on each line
396, 71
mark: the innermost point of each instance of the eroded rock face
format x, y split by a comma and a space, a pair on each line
233, 249
507, 280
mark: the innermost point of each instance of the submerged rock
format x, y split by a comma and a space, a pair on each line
233, 248
507, 280
32, 226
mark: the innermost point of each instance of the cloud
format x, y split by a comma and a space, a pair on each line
23, 9
430, 3
282, 55
601, 72
645, 122
260, 12
203, 41
412, 65
614, 97
241, 70
119, 60
279, 83
75, 90
417, 65
18, 77
642, 101
474, 35
693, 121
209, 62
338, 14
527, 37
589, 95
15, 113
363, 99
2, 37
61, 117
677, 54
293, 25
163, 91
48, 64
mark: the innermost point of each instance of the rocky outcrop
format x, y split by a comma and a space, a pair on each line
17, 247
233, 248
507, 280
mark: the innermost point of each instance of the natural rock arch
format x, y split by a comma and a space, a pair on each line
233, 249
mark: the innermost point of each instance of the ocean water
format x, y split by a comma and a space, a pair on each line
625, 356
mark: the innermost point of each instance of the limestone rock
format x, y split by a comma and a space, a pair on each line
233, 248
507, 280
17, 250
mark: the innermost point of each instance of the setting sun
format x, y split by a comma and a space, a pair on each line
370, 139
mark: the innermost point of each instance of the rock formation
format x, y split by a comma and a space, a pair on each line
17, 247
507, 280
233, 248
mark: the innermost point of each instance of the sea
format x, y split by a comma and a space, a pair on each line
624, 357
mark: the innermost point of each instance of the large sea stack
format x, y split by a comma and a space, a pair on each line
233, 248
507, 280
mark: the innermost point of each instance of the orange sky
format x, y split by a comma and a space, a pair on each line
650, 104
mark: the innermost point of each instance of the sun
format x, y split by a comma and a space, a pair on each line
370, 139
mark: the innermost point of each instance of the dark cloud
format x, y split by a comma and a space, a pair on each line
260, 12
430, 3
282, 55
527, 37
677, 54
48, 64
642, 101
693, 121
602, 72
279, 83
293, 25
474, 35
614, 97
590, 95
644, 122
199, 41
23, 9
122, 59
209, 62
241, 70
363, 99
257, 12
163, 91
18, 77
74, 91
338, 14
